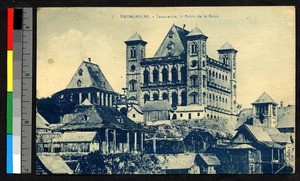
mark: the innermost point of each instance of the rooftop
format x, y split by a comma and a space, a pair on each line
159, 105
264, 98
195, 32
226, 46
53, 163
76, 136
210, 159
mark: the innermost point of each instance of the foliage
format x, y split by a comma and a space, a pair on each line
122, 163
51, 108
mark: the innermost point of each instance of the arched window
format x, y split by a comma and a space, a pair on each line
146, 77
204, 98
146, 98
193, 80
225, 77
155, 76
165, 96
142, 53
213, 73
183, 74
79, 83
203, 63
165, 75
194, 48
203, 48
222, 77
194, 97
155, 97
132, 52
216, 74
183, 98
204, 80
174, 74
80, 72
132, 85
174, 99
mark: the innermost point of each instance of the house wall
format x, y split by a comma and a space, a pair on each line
190, 115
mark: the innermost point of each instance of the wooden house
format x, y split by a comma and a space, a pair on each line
116, 133
272, 154
238, 159
156, 110
78, 141
199, 140
209, 163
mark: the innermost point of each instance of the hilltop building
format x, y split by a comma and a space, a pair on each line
182, 73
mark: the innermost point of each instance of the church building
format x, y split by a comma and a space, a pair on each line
195, 85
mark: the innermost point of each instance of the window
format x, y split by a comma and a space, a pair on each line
203, 63
183, 74
194, 63
190, 116
165, 96
132, 52
181, 115
132, 68
225, 59
155, 76
203, 80
132, 85
146, 77
146, 98
155, 96
174, 99
204, 98
198, 114
133, 115
193, 80
79, 83
80, 72
171, 34
165, 75
222, 77
203, 48
194, 98
142, 53
183, 98
174, 74
194, 48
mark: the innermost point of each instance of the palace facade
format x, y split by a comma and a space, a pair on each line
181, 72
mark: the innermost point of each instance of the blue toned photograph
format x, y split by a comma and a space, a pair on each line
169, 90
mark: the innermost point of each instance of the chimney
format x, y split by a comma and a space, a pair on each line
281, 104
90, 60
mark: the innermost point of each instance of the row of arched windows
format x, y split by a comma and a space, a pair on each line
165, 96
217, 98
133, 52
165, 75
194, 48
217, 75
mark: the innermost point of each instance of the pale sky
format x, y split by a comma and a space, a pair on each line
263, 36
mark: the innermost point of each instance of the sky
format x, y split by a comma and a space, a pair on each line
263, 36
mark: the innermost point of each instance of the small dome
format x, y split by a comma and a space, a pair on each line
196, 31
135, 37
227, 46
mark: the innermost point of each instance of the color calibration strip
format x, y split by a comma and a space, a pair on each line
9, 106
19, 90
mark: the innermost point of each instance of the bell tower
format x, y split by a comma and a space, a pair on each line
196, 67
135, 52
227, 56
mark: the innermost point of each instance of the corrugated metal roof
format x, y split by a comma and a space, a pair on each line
76, 136
54, 163
135, 37
210, 159
258, 133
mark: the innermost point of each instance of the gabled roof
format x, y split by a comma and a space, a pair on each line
41, 122
76, 136
177, 41
226, 46
195, 32
264, 98
210, 159
92, 76
159, 105
258, 133
53, 163
241, 146
92, 118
